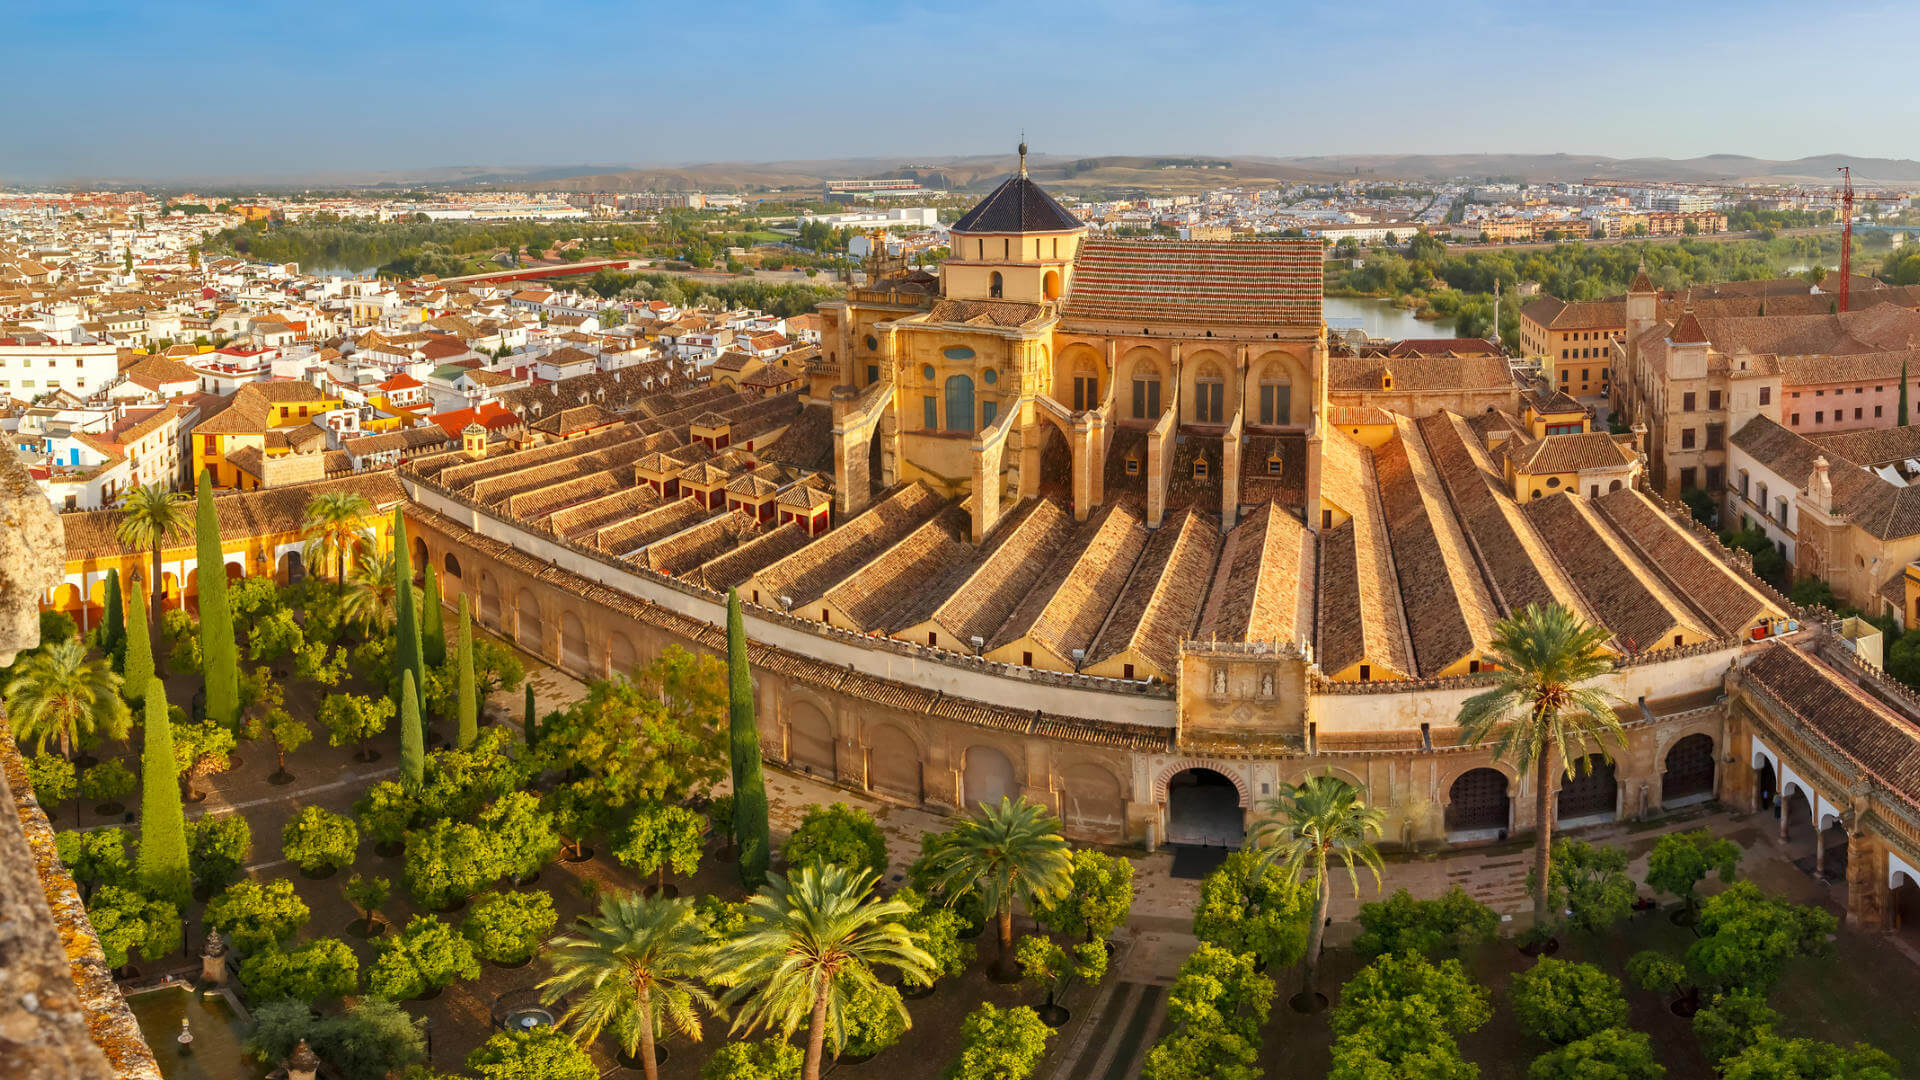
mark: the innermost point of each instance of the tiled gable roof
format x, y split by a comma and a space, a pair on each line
1262, 585
1197, 283
1065, 610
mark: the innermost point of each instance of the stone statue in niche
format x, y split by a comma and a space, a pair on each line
1266, 685
1220, 682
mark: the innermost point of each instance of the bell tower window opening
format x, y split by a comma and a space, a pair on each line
994, 285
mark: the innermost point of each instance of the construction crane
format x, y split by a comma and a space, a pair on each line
1846, 234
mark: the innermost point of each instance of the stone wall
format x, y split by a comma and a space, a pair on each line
61, 1015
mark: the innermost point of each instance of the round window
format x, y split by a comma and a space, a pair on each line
927, 373
990, 376
957, 352
872, 343
1553, 481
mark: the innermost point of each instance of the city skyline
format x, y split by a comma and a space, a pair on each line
343, 91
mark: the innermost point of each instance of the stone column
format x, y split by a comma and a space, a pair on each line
1866, 882
1819, 852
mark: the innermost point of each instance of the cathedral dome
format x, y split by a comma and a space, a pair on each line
1018, 206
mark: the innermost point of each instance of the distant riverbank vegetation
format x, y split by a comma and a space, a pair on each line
413, 246
1438, 283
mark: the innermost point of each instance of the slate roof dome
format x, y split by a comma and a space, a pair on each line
1018, 205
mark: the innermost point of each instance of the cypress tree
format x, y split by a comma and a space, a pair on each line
413, 741
466, 708
113, 640
433, 633
1903, 394
750, 832
163, 823
406, 655
531, 725
139, 665
217, 645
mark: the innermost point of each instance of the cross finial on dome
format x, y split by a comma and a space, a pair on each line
1023, 152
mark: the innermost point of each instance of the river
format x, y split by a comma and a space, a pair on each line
1381, 319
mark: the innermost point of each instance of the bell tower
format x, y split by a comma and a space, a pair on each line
1017, 244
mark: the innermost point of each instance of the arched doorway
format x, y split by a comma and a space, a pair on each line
421, 560
573, 643
1090, 797
1689, 774
1203, 807
987, 778
291, 570
621, 659
451, 566
1478, 806
490, 611
1766, 786
1903, 903
810, 740
1591, 794
893, 764
527, 630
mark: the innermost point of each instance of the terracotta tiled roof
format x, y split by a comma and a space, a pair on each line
1884, 743
1713, 588
269, 511
1556, 314
1066, 607
811, 571
1449, 612
1570, 453
629, 537
733, 568
1006, 314
1520, 568
1364, 373
1873, 446
1263, 584
1641, 610
1157, 609
586, 518
869, 595
688, 550
1197, 283
1018, 551
1359, 617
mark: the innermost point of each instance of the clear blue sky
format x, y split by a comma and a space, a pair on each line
231, 86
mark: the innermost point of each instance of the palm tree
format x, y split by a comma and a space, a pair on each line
1010, 852
371, 595
58, 692
636, 966
811, 944
1538, 709
151, 515
336, 522
1322, 819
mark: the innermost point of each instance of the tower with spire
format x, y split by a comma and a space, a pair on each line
1018, 243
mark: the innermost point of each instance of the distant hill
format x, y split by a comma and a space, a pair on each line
1549, 168
1107, 174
